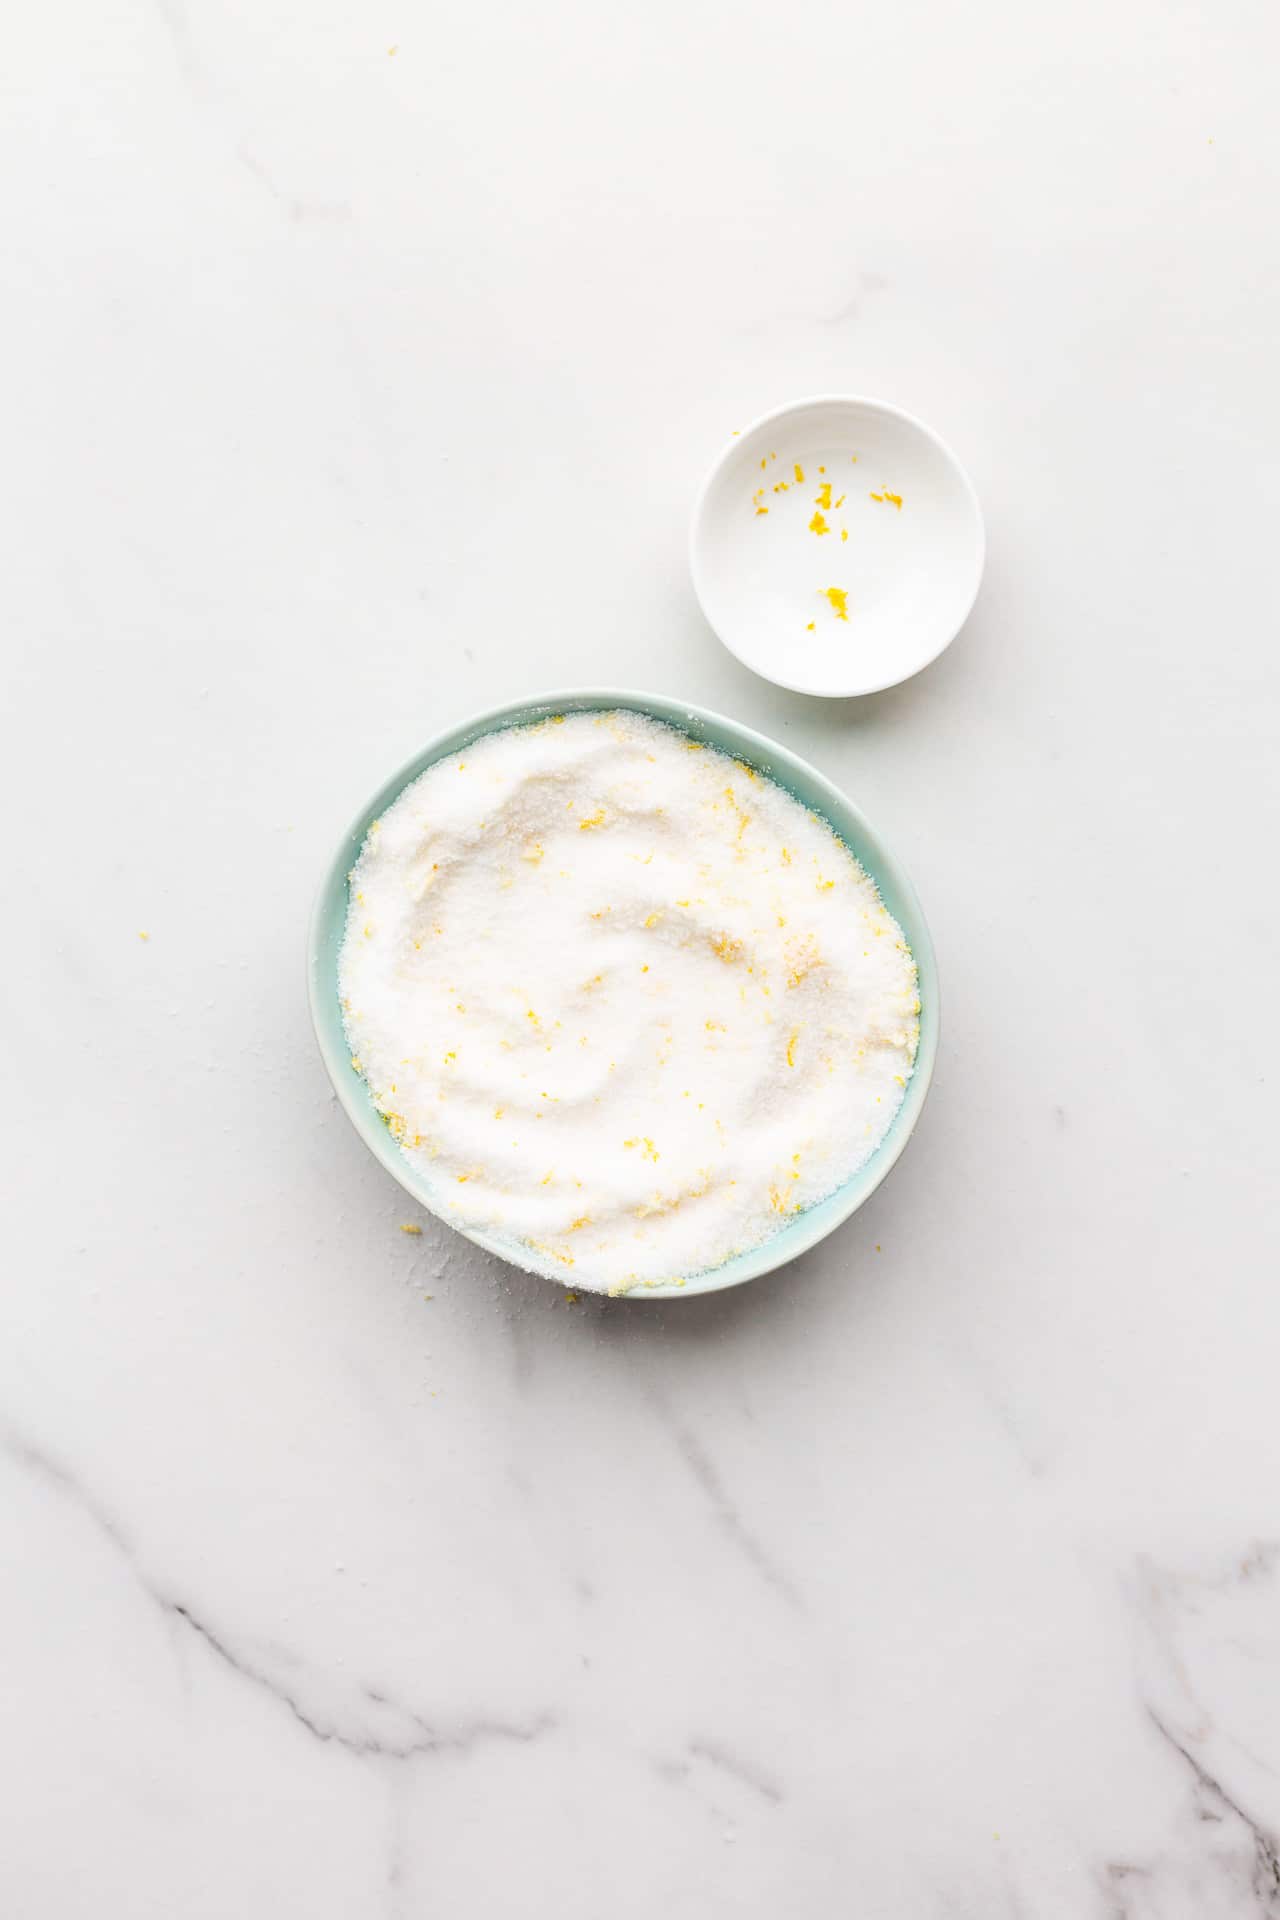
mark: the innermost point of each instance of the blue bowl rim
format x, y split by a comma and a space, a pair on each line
779, 764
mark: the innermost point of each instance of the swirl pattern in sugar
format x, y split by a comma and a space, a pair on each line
622, 1000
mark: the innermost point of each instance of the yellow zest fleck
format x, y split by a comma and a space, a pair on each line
763, 465
498, 1112
818, 524
556, 1253
839, 598
461, 765
821, 469
714, 1026
895, 497
356, 1063
571, 1299
824, 492
854, 458
693, 746
532, 852
547, 1177
410, 1226
529, 1014
804, 956
760, 510
799, 470
786, 856
824, 886
791, 1047
844, 533
840, 502
592, 820
810, 627
583, 1220
391, 54
143, 935
652, 919
368, 931
726, 949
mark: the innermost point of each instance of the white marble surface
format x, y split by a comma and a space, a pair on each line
346, 391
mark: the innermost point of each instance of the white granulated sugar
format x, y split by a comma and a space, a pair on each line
621, 1000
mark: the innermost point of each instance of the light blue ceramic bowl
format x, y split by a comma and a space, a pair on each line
809, 786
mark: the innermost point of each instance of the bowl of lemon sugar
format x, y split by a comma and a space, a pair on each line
626, 993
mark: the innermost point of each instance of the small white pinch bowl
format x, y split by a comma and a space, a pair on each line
847, 597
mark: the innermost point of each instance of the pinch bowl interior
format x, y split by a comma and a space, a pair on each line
845, 497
